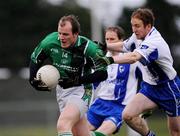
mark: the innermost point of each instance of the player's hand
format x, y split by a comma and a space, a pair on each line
69, 82
39, 85
146, 114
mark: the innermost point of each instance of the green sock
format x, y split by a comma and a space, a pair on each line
96, 133
65, 134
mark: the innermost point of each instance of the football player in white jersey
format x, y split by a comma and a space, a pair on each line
161, 85
105, 113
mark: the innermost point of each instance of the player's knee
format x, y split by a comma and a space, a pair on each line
60, 127
63, 126
127, 117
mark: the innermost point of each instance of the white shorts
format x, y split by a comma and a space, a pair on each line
71, 95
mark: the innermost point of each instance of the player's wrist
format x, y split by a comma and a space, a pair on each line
111, 60
70, 82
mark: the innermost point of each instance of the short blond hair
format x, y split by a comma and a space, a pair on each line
144, 14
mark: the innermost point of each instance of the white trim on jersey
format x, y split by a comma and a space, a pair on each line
157, 59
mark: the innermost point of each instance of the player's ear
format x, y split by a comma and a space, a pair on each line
148, 26
75, 35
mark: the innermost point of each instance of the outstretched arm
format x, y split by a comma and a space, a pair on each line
117, 46
130, 57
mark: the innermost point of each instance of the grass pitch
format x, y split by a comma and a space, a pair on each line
157, 124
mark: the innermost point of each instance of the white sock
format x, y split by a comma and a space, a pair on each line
65, 134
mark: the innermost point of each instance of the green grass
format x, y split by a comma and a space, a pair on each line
27, 131
157, 124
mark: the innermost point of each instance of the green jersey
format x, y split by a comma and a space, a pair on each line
69, 61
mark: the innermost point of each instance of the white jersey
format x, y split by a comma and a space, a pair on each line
121, 83
157, 59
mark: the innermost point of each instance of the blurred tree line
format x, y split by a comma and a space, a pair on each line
25, 22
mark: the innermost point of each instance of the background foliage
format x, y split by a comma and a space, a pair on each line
25, 23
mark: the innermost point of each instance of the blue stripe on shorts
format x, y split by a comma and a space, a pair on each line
165, 95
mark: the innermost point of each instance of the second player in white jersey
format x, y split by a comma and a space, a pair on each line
121, 84
105, 113
112, 95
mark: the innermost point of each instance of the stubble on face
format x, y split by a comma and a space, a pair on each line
139, 29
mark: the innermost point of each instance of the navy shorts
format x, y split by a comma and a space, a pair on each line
102, 110
166, 95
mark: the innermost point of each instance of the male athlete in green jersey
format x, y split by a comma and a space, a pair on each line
74, 56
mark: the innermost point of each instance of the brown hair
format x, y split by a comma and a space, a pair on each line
73, 20
118, 30
144, 14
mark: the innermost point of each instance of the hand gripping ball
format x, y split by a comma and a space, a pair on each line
49, 75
